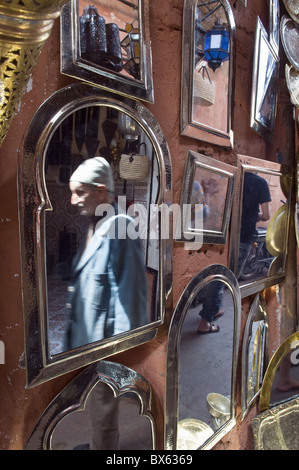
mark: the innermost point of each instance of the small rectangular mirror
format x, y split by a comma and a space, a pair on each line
107, 43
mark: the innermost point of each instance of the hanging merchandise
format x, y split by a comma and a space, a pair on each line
204, 87
134, 166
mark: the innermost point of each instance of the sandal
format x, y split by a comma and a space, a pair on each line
213, 329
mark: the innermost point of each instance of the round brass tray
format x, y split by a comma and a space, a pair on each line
292, 79
289, 32
292, 7
276, 232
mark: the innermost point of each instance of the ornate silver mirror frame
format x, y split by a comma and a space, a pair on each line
33, 202
264, 84
265, 265
208, 188
199, 281
122, 82
198, 115
254, 352
74, 396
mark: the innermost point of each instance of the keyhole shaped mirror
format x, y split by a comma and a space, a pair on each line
201, 361
108, 406
74, 127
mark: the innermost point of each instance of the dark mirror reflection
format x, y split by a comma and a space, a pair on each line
206, 366
110, 35
106, 423
286, 381
256, 358
102, 267
263, 229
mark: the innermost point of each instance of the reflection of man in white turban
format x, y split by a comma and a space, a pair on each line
109, 287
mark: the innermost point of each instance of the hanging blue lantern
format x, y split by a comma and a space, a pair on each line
216, 47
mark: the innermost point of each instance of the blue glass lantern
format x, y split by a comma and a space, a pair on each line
216, 47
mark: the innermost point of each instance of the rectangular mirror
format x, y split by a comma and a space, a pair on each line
107, 43
207, 71
260, 224
208, 192
264, 84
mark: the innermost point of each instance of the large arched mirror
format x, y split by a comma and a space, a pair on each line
201, 361
106, 407
76, 125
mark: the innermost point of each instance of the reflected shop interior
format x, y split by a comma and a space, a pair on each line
158, 254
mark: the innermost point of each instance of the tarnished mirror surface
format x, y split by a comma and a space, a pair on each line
107, 43
201, 361
208, 71
254, 352
208, 187
74, 125
260, 224
106, 407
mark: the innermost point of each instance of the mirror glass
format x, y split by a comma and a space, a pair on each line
207, 73
255, 352
207, 194
204, 336
106, 423
96, 271
107, 43
85, 134
259, 241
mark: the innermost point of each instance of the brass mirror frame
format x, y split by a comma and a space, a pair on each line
198, 161
277, 275
258, 311
73, 65
73, 397
32, 205
215, 272
188, 126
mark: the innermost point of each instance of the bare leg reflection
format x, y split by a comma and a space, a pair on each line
104, 410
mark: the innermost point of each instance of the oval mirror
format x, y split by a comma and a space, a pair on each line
201, 361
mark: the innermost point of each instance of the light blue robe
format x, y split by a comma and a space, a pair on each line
108, 292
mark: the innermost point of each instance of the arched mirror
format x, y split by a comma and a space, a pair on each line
106, 407
75, 126
208, 71
260, 222
201, 361
254, 352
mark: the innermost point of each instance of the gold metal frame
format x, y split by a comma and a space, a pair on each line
33, 202
73, 398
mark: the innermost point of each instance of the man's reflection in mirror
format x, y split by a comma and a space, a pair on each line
108, 291
255, 208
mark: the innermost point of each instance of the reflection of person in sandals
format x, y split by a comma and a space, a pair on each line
211, 308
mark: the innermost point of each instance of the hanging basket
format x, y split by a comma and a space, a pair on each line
204, 87
133, 166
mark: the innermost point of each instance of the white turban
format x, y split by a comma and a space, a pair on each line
94, 171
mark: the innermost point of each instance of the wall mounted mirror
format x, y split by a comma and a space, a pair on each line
207, 194
208, 71
201, 361
107, 43
260, 224
74, 125
264, 84
106, 407
254, 352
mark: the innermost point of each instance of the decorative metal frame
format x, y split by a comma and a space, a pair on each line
258, 312
33, 201
189, 126
73, 65
274, 25
197, 161
198, 282
73, 398
264, 83
276, 273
